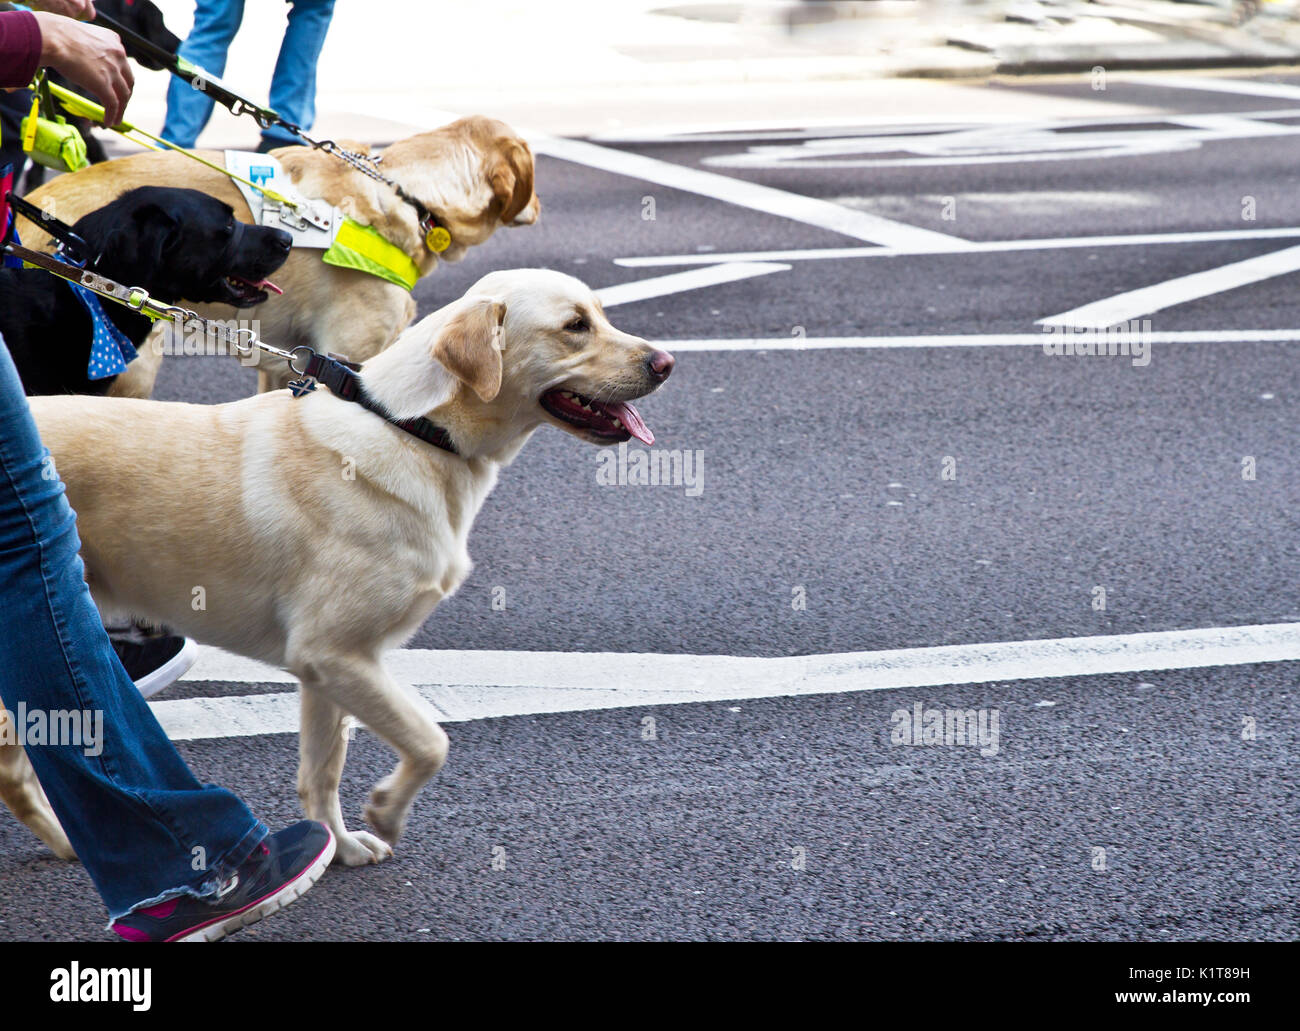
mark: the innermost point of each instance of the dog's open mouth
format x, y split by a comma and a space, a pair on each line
606, 420
245, 293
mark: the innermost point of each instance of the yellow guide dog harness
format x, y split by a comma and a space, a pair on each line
316, 224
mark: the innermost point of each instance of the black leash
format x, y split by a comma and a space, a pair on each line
71, 244
182, 69
166, 58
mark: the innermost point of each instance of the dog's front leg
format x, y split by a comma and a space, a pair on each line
322, 748
142, 370
403, 719
22, 793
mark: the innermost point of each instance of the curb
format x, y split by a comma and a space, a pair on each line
1058, 66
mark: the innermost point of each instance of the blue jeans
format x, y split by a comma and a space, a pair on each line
293, 84
145, 829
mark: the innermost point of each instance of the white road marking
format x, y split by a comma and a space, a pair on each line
809, 210
981, 247
784, 129
1188, 336
995, 146
469, 685
1134, 303
1232, 125
1243, 87
678, 282
1022, 142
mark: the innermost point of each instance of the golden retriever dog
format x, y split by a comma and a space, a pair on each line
321, 532
475, 174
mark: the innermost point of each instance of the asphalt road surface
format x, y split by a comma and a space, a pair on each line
856, 496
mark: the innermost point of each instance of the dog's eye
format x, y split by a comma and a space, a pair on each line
578, 325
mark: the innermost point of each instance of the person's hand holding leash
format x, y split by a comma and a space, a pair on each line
91, 57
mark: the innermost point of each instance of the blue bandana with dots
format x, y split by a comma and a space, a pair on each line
110, 348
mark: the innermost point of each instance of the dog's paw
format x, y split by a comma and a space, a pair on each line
359, 848
385, 820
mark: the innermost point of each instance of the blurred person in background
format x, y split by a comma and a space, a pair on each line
293, 83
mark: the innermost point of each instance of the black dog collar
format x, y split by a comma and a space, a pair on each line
346, 384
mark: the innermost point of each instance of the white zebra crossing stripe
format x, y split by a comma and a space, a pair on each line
794, 343
678, 282
1147, 300
469, 685
813, 211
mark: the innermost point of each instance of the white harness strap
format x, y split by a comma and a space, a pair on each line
313, 224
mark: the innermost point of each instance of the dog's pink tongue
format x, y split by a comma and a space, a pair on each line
261, 284
632, 420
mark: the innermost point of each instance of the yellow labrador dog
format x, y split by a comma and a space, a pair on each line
322, 533
474, 175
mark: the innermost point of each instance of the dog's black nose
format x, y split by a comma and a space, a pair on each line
660, 364
283, 241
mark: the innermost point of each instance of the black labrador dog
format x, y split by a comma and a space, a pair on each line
179, 245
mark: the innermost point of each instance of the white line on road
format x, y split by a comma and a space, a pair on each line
678, 282
1186, 336
469, 685
782, 129
1021, 143
1134, 303
809, 210
1233, 125
981, 247
1249, 88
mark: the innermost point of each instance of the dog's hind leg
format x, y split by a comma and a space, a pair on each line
322, 748
403, 719
22, 793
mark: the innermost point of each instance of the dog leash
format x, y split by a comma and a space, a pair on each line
78, 253
76, 104
134, 297
195, 76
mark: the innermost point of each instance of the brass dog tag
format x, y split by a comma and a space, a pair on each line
437, 239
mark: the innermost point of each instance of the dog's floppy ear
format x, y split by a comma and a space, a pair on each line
155, 227
469, 345
512, 179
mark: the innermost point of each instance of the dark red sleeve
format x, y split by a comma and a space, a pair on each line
20, 48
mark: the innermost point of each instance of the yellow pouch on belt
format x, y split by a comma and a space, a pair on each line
364, 249
53, 143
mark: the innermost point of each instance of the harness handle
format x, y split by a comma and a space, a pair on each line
73, 245
78, 105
